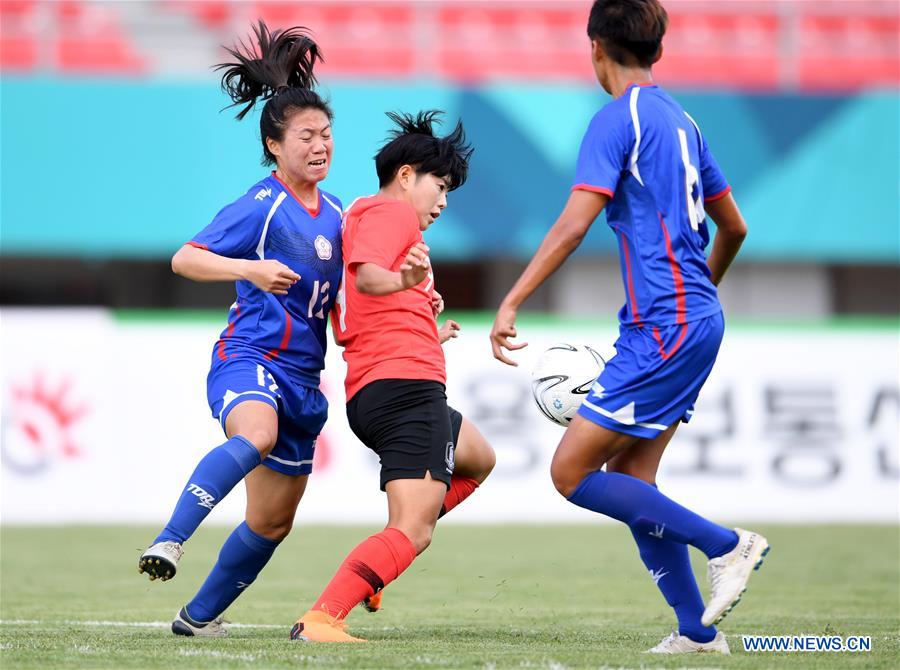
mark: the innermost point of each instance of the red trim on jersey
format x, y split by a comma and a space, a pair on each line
197, 245
285, 339
639, 83
228, 332
592, 189
662, 351
629, 284
312, 212
680, 308
718, 196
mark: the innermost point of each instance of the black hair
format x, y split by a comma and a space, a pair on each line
414, 143
631, 31
279, 70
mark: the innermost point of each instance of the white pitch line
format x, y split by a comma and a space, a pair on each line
122, 624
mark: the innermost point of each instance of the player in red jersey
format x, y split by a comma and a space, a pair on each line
431, 457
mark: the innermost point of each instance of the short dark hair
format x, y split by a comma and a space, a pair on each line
414, 143
631, 31
278, 69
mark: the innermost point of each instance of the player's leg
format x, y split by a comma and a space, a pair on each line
474, 459
407, 423
272, 500
668, 561
587, 445
252, 428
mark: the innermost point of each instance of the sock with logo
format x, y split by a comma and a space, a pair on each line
215, 475
372, 565
670, 568
241, 559
645, 510
460, 489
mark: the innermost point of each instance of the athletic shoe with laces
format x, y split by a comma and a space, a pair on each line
319, 626
679, 644
373, 603
728, 575
161, 560
185, 625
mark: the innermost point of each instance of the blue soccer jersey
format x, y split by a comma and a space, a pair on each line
648, 155
270, 222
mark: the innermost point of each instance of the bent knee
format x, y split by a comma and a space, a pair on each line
419, 536
261, 437
271, 529
565, 480
485, 464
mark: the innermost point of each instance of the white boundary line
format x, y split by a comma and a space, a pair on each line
122, 624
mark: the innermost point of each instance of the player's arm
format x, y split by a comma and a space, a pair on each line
202, 265
731, 229
562, 239
373, 279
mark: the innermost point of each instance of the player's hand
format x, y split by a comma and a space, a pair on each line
505, 327
437, 303
415, 266
271, 276
449, 330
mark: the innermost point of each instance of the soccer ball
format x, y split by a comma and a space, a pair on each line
562, 378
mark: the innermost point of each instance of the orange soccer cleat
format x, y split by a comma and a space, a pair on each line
317, 626
373, 602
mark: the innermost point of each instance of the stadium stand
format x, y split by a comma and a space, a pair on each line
759, 45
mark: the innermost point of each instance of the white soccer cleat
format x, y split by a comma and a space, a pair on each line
185, 625
679, 644
728, 575
161, 560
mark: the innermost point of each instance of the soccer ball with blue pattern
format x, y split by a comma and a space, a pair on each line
562, 378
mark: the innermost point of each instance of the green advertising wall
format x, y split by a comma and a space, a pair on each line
102, 168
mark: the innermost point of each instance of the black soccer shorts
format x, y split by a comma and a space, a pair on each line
408, 423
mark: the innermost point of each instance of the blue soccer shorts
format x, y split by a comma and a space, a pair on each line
655, 377
302, 410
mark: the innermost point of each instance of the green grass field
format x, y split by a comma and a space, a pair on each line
481, 597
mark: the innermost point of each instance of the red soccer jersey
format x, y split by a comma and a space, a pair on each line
391, 336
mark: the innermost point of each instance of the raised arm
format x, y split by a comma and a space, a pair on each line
730, 233
561, 240
205, 266
372, 279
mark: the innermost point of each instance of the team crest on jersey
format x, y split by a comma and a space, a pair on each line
323, 247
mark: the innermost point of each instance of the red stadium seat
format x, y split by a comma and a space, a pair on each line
90, 41
848, 51
18, 54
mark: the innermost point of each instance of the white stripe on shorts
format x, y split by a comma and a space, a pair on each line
229, 399
618, 419
287, 462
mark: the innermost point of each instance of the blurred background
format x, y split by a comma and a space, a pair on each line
115, 150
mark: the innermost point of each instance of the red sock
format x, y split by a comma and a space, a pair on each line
372, 565
460, 489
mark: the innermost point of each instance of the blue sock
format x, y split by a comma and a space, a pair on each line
670, 568
646, 510
215, 475
242, 557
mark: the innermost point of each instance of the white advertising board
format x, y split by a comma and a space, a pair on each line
104, 418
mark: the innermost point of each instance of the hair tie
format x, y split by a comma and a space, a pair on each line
282, 89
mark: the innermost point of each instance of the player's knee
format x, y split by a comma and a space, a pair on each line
261, 437
487, 459
269, 527
564, 479
421, 538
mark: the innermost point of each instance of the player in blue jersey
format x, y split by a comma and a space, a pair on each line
281, 245
646, 162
